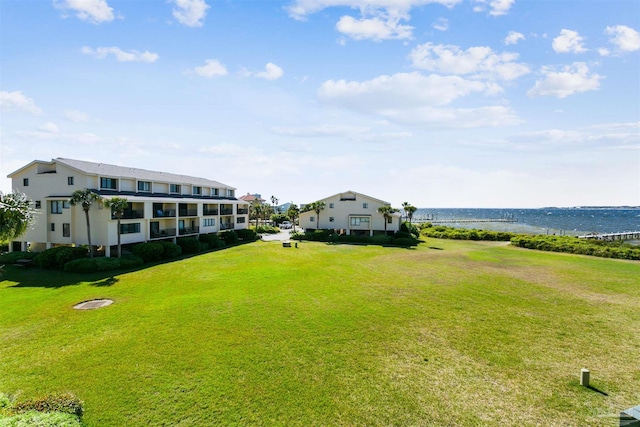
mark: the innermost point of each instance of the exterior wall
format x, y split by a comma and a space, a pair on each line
342, 207
52, 183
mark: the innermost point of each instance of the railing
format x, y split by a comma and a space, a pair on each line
243, 211
226, 226
226, 211
168, 232
188, 212
210, 212
191, 230
169, 213
130, 215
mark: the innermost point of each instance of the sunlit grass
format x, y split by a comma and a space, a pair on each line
451, 333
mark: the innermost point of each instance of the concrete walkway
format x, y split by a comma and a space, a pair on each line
282, 236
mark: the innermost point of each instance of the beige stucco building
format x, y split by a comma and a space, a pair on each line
352, 212
161, 205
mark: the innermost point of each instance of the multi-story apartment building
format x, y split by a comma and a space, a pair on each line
161, 205
355, 213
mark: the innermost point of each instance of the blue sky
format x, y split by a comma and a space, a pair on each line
440, 103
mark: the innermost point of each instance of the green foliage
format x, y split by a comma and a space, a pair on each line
381, 239
16, 214
191, 245
57, 257
170, 250
247, 235
12, 257
41, 419
399, 239
5, 401
64, 402
278, 218
230, 237
149, 251
407, 227
443, 232
575, 245
212, 240
130, 261
266, 229
91, 265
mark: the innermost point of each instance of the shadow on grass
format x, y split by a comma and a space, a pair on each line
597, 390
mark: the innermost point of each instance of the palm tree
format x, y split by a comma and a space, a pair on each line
386, 211
16, 214
274, 201
85, 198
118, 206
293, 213
257, 211
409, 210
317, 206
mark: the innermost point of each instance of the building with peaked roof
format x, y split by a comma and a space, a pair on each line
355, 213
162, 206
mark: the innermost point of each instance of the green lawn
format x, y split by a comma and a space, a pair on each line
450, 333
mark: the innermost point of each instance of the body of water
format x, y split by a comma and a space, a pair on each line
559, 221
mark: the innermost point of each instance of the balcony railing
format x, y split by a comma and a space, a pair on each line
188, 212
191, 230
226, 226
243, 211
210, 212
130, 215
169, 213
160, 234
226, 211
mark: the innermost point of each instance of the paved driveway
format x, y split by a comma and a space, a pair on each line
283, 235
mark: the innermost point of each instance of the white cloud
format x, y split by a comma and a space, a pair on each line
320, 131
513, 37
77, 116
442, 24
16, 101
603, 51
568, 41
121, 55
271, 72
300, 9
94, 11
377, 28
49, 127
570, 80
211, 69
190, 12
607, 135
477, 61
497, 7
624, 38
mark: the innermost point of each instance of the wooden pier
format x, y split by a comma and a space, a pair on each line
610, 237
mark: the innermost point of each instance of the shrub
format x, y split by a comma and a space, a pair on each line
405, 241
12, 257
211, 240
230, 237
266, 229
5, 401
130, 261
170, 250
57, 257
381, 239
247, 235
150, 251
191, 245
577, 246
41, 419
407, 227
443, 232
65, 402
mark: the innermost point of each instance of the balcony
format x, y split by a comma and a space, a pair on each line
243, 211
226, 226
191, 230
188, 212
209, 212
226, 211
130, 215
161, 234
166, 213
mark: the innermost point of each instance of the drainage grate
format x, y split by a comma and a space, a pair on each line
95, 303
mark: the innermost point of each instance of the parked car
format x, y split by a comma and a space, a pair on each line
285, 225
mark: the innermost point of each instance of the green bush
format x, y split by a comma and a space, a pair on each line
381, 239
407, 227
405, 241
12, 257
91, 265
41, 419
170, 250
130, 261
65, 402
5, 401
247, 235
191, 245
149, 251
443, 232
575, 245
211, 240
57, 257
230, 237
266, 229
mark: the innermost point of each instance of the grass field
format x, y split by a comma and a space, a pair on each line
452, 333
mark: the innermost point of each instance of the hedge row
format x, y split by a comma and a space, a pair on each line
54, 410
443, 232
398, 239
575, 245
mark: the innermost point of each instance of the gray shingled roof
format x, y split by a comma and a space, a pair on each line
103, 169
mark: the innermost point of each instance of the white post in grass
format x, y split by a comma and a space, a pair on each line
584, 377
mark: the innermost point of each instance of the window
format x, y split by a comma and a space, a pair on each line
214, 191
144, 186
390, 220
66, 230
230, 193
25, 182
69, 180
241, 220
38, 204
331, 219
130, 228
312, 219
53, 226
209, 222
109, 183
359, 220
330, 205
365, 206
56, 206
175, 188
197, 190
65, 204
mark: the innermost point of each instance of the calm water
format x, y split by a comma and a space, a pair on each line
569, 221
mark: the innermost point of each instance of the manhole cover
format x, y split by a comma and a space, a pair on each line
95, 303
